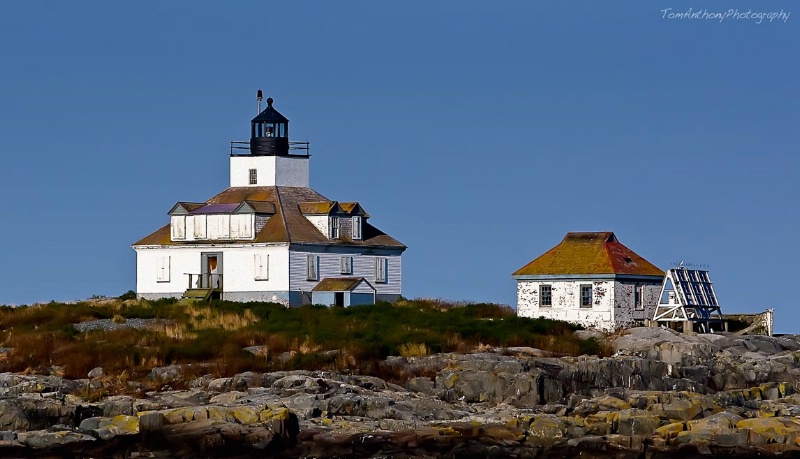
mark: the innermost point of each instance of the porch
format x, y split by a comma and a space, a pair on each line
204, 287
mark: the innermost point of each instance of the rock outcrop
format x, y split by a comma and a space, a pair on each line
661, 394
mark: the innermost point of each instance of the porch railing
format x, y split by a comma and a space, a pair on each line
205, 280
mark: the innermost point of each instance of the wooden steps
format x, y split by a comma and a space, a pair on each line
198, 294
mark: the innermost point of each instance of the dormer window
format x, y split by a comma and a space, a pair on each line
357, 228
334, 228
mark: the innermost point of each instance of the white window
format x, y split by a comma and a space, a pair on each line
261, 266
346, 264
334, 227
162, 269
545, 296
586, 295
381, 267
311, 267
357, 228
253, 177
178, 226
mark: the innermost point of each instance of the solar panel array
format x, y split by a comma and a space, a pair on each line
694, 288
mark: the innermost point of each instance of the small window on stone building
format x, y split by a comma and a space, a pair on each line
253, 177
545, 296
638, 294
586, 295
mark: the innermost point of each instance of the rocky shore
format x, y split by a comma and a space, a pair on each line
662, 394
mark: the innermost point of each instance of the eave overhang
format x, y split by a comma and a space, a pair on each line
568, 277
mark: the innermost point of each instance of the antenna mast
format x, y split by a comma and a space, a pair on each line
259, 96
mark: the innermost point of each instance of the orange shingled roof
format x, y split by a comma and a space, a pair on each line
590, 253
353, 208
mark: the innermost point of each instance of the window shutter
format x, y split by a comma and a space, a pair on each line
261, 266
311, 264
247, 226
178, 225
346, 265
162, 273
225, 226
234, 226
356, 227
380, 269
199, 226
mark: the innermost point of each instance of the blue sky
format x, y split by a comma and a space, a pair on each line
477, 133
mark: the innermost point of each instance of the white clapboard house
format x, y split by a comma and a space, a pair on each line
269, 237
590, 279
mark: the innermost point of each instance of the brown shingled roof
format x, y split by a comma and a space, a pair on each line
590, 253
160, 237
339, 284
186, 207
261, 207
287, 224
318, 208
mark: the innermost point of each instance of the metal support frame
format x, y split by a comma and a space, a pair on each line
691, 299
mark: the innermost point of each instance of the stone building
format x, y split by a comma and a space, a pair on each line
590, 279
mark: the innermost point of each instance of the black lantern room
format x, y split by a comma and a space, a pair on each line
269, 133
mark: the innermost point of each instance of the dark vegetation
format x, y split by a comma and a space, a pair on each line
42, 338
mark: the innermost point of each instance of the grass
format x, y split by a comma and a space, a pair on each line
357, 339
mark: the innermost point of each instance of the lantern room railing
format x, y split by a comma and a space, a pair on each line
302, 147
